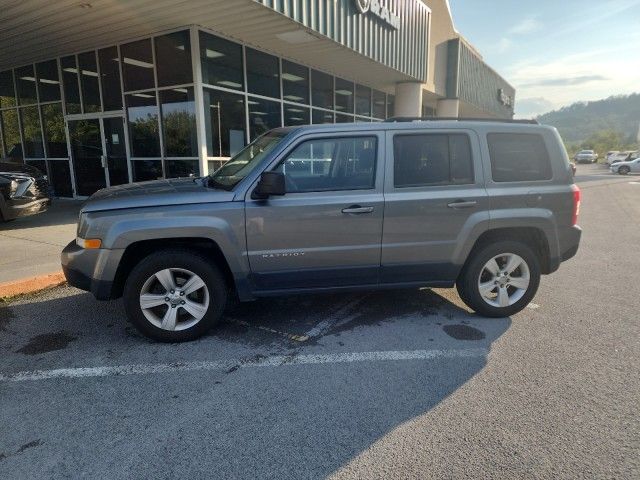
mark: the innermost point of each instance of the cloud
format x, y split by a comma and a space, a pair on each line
526, 26
565, 81
504, 44
532, 107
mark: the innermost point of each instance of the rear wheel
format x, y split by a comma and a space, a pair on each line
624, 170
500, 279
174, 296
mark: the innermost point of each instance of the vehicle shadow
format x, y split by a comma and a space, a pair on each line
287, 421
61, 212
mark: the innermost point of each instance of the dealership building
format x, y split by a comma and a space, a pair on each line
106, 92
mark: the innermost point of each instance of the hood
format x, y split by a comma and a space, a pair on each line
156, 193
15, 167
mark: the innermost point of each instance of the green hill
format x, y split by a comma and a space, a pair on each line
581, 121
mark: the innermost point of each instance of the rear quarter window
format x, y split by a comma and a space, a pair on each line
518, 157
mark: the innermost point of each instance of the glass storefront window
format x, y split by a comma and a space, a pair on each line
60, 178
137, 65
295, 82
48, 81
391, 105
221, 62
173, 59
379, 104
342, 118
225, 123
321, 90
31, 132
295, 115
344, 96
110, 78
263, 74
89, 82
144, 170
26, 85
70, 84
363, 101
179, 122
263, 116
142, 114
39, 164
182, 168
11, 134
7, 90
54, 134
320, 116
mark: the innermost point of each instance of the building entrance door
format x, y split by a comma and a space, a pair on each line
98, 152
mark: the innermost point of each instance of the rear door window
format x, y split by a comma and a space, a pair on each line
518, 157
432, 160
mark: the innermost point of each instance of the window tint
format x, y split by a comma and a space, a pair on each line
70, 84
32, 132
263, 74
379, 104
434, 159
54, 134
321, 90
48, 81
60, 178
142, 113
224, 122
89, 82
344, 95
331, 164
295, 82
137, 65
221, 62
263, 116
179, 122
144, 170
173, 59
363, 101
26, 85
110, 78
391, 105
295, 115
11, 133
321, 116
518, 157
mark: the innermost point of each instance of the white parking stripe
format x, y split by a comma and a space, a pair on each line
275, 361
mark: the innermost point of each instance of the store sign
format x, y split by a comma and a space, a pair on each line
380, 11
504, 99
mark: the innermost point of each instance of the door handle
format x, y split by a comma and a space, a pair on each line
462, 204
357, 209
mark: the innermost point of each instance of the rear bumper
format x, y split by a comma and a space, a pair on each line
90, 270
569, 242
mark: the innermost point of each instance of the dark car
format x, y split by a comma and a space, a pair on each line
24, 190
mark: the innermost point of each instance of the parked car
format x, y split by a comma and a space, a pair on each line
24, 190
626, 167
610, 154
395, 205
586, 156
623, 157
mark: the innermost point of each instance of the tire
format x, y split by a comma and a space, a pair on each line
624, 170
173, 315
475, 272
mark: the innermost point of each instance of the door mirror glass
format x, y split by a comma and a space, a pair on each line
271, 183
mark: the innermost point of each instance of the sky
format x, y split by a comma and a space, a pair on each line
556, 52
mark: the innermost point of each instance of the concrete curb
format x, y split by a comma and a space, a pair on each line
31, 285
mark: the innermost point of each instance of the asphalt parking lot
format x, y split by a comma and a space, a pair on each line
398, 384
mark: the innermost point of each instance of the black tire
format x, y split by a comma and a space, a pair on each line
624, 170
467, 283
214, 284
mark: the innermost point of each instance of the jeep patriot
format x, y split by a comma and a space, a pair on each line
487, 206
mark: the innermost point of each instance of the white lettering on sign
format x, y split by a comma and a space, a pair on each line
379, 10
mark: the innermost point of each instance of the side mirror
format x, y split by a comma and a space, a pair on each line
271, 183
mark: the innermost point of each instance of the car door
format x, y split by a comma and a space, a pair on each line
326, 230
635, 166
434, 199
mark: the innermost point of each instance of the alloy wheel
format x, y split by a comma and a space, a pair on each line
504, 280
174, 299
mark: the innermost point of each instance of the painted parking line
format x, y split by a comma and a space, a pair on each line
290, 336
230, 365
344, 313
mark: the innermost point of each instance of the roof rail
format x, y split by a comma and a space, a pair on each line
461, 119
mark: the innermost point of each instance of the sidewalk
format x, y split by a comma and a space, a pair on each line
31, 246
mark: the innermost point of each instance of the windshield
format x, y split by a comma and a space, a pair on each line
236, 169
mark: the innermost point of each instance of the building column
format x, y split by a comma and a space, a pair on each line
408, 100
448, 107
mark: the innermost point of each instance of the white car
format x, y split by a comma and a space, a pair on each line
621, 157
624, 168
586, 156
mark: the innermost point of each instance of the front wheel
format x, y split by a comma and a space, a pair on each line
624, 170
500, 279
174, 296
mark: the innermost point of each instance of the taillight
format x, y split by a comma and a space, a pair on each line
576, 203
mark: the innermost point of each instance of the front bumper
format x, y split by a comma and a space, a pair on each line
91, 270
18, 208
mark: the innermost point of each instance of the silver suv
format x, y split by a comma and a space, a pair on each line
487, 206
